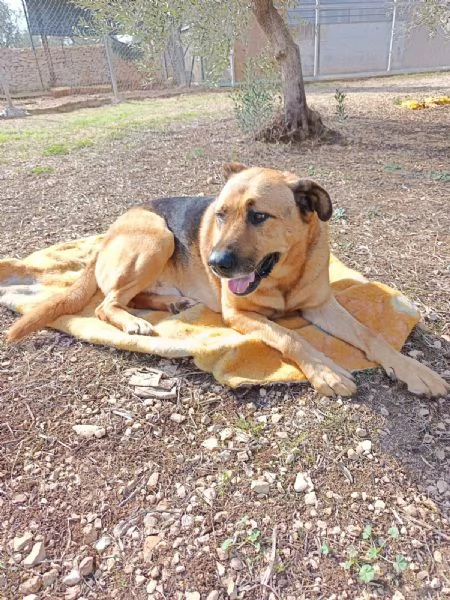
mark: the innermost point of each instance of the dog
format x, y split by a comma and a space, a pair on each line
257, 252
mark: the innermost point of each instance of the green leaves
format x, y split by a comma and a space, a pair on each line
366, 573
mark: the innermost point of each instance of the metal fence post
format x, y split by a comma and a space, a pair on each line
112, 73
316, 38
391, 41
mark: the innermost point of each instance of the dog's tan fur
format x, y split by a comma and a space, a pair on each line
136, 266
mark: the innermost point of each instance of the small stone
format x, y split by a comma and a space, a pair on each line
365, 446
31, 597
153, 480
213, 595
303, 483
139, 579
36, 556
181, 492
422, 575
89, 431
192, 596
155, 572
439, 454
351, 453
19, 499
89, 534
103, 543
187, 522
361, 432
398, 596
437, 555
72, 593
86, 566
259, 486
379, 504
49, 578
220, 569
32, 585
435, 583
72, 578
226, 434
151, 586
236, 564
211, 443
276, 418
177, 418
416, 354
150, 543
22, 544
311, 499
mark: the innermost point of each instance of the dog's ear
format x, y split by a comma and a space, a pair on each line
232, 168
310, 196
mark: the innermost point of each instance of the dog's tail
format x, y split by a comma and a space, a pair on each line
68, 302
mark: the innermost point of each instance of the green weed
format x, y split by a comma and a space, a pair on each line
341, 109
56, 150
42, 170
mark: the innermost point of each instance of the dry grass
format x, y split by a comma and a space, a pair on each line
390, 187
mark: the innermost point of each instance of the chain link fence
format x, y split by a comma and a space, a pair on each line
48, 48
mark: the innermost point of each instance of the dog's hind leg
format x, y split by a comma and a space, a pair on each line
135, 252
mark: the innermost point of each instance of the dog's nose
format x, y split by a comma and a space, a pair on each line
223, 262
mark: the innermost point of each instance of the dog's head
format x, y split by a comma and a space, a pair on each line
260, 215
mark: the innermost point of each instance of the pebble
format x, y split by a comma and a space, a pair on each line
364, 446
72, 578
36, 556
379, 504
151, 586
21, 544
89, 431
86, 566
236, 564
103, 543
187, 522
149, 545
213, 595
177, 418
311, 499
49, 578
72, 593
192, 596
30, 597
153, 480
211, 443
303, 483
226, 434
139, 579
435, 583
32, 585
19, 499
259, 486
361, 432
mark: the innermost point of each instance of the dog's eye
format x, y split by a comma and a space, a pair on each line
256, 218
220, 217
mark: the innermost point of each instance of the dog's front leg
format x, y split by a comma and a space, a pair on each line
334, 319
325, 376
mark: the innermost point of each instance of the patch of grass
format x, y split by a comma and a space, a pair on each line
440, 176
249, 427
393, 167
42, 170
86, 127
195, 153
56, 150
84, 143
339, 214
341, 109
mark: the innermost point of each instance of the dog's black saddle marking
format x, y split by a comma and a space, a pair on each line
183, 215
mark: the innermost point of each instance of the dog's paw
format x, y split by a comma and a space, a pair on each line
332, 380
420, 380
137, 326
182, 304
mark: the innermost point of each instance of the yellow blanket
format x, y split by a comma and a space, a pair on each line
232, 358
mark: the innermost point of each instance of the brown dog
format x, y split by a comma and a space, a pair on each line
258, 251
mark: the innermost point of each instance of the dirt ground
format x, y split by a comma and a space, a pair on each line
162, 505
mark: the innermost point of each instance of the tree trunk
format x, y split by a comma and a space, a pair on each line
300, 121
176, 56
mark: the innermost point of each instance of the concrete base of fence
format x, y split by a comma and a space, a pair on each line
12, 112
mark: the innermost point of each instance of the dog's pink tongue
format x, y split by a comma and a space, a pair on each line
240, 284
